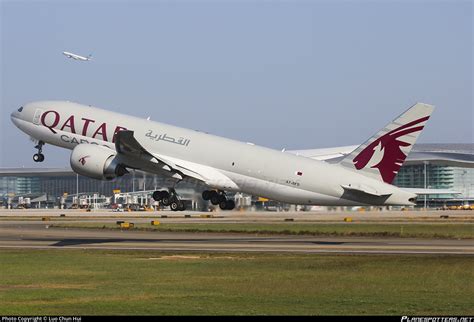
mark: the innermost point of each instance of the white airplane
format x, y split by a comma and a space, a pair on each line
106, 144
76, 57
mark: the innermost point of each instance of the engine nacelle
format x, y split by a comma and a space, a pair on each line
95, 161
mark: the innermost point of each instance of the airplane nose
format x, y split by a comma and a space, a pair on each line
15, 117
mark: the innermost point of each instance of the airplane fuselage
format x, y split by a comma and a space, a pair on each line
75, 56
253, 169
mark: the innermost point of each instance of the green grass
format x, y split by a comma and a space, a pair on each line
415, 230
79, 282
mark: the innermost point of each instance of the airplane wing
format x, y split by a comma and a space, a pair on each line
126, 144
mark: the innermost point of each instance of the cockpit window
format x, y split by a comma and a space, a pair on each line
20, 109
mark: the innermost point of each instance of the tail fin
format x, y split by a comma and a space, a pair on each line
383, 154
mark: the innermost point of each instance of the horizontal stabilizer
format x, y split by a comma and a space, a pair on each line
422, 191
364, 194
365, 190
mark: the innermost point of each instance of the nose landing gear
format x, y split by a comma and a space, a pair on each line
39, 157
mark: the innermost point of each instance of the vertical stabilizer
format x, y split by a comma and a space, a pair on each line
384, 153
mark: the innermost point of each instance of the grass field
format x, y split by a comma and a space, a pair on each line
77, 282
415, 230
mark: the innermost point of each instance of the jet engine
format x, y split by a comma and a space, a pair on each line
95, 161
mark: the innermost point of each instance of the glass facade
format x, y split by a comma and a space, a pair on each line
58, 185
413, 176
19, 185
464, 181
438, 177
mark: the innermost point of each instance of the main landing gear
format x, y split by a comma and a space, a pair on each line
39, 157
218, 198
169, 198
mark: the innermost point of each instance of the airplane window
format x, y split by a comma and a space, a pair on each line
20, 109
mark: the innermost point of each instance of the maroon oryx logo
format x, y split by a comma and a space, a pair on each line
83, 159
389, 145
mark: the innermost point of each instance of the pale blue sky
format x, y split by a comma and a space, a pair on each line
288, 74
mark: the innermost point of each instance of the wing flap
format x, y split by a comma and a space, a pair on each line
210, 176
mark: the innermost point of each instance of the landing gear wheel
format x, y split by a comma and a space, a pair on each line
227, 204
38, 157
223, 204
206, 195
176, 205
156, 195
159, 195
230, 204
165, 201
181, 206
215, 198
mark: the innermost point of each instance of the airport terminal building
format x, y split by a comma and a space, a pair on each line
449, 167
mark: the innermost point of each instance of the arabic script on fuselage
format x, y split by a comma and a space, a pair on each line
167, 138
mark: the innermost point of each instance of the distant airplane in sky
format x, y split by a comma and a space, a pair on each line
76, 57
106, 144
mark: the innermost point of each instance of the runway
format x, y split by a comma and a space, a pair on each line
37, 235
243, 217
